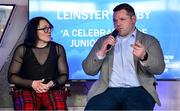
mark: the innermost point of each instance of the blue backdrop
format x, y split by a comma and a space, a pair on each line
79, 23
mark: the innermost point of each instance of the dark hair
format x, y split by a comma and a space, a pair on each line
125, 6
31, 31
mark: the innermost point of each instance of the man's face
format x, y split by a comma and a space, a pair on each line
123, 22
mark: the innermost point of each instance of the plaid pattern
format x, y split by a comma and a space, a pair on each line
30, 100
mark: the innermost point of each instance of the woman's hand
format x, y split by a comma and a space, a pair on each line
39, 86
50, 84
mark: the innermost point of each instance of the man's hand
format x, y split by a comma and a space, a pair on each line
139, 50
110, 40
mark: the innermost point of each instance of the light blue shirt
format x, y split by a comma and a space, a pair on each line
123, 70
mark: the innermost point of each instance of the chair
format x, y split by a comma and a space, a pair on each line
13, 89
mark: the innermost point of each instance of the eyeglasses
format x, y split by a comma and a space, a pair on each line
46, 29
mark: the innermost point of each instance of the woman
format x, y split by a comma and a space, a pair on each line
39, 69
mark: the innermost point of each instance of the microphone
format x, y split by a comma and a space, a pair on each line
114, 34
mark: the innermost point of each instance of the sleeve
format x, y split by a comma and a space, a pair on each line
155, 60
15, 67
63, 68
92, 63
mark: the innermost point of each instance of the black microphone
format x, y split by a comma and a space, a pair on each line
114, 34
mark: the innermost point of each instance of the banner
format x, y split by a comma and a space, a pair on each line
79, 23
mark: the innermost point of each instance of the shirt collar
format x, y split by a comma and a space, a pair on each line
133, 34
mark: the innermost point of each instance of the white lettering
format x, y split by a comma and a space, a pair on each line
82, 43
98, 15
144, 14
90, 32
65, 33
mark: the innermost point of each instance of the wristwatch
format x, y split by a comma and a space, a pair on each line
145, 57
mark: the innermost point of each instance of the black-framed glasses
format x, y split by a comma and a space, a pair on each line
46, 29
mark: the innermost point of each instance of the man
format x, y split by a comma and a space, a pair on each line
127, 68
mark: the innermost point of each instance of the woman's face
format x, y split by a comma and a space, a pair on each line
44, 31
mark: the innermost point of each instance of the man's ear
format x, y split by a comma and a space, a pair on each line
133, 19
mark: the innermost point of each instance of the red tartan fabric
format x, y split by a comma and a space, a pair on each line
30, 100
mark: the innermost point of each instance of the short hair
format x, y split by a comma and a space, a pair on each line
125, 6
31, 31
